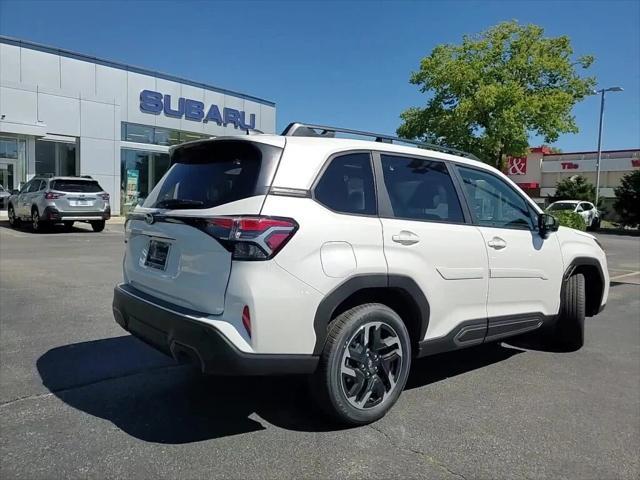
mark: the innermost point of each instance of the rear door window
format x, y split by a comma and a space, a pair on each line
76, 186
420, 189
212, 173
346, 186
35, 186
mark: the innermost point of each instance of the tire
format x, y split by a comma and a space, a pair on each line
68, 225
14, 221
37, 225
595, 224
98, 225
568, 333
357, 383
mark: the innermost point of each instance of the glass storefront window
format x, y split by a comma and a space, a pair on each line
67, 159
56, 158
132, 132
163, 136
137, 133
45, 157
9, 148
139, 173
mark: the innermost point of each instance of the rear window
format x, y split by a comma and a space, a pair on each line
208, 174
82, 186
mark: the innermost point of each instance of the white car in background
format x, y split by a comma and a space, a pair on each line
587, 211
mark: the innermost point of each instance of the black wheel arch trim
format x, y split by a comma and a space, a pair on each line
581, 262
352, 285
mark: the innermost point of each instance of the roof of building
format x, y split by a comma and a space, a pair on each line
592, 152
128, 68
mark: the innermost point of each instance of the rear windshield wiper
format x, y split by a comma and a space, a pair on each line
179, 203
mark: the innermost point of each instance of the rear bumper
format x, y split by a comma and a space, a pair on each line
53, 214
174, 331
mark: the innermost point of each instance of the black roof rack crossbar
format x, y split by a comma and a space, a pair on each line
298, 129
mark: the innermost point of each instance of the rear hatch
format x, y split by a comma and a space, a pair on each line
171, 251
78, 195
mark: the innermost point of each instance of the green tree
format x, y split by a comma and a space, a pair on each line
575, 188
627, 203
488, 94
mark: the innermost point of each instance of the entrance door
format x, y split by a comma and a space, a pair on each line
7, 174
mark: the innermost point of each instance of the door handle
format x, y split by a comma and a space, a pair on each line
497, 243
406, 238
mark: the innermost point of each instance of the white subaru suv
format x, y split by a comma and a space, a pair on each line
345, 259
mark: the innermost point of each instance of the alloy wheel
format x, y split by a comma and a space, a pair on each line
371, 364
12, 216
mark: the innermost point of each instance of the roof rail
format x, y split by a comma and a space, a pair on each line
298, 129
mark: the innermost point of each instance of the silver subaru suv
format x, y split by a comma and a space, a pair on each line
44, 201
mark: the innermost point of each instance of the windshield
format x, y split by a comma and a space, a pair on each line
73, 185
213, 173
561, 206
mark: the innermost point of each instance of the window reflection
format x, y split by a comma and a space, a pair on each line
132, 132
139, 172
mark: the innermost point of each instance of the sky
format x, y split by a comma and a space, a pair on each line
338, 63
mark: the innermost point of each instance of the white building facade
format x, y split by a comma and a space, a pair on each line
65, 113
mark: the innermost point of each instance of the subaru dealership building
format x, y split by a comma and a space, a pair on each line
66, 113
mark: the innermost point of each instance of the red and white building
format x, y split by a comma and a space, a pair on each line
540, 171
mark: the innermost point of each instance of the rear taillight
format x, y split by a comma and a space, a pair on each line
104, 196
251, 238
52, 195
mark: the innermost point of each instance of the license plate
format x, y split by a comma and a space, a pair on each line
79, 203
157, 254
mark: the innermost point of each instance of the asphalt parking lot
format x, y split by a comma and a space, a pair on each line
81, 398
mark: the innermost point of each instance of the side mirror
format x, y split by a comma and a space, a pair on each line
15, 192
547, 223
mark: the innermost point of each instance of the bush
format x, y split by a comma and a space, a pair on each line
575, 188
571, 220
627, 203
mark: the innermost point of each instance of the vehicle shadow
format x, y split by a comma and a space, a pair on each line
52, 229
152, 398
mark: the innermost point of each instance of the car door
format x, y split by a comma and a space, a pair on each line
29, 196
22, 197
525, 269
429, 238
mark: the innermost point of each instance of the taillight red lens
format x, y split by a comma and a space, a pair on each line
104, 196
52, 195
246, 319
252, 238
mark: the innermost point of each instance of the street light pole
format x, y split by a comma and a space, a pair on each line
602, 92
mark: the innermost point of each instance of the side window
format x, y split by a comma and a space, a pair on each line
420, 189
493, 202
347, 185
35, 186
25, 188
586, 206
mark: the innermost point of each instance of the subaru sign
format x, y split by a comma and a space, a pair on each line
157, 103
